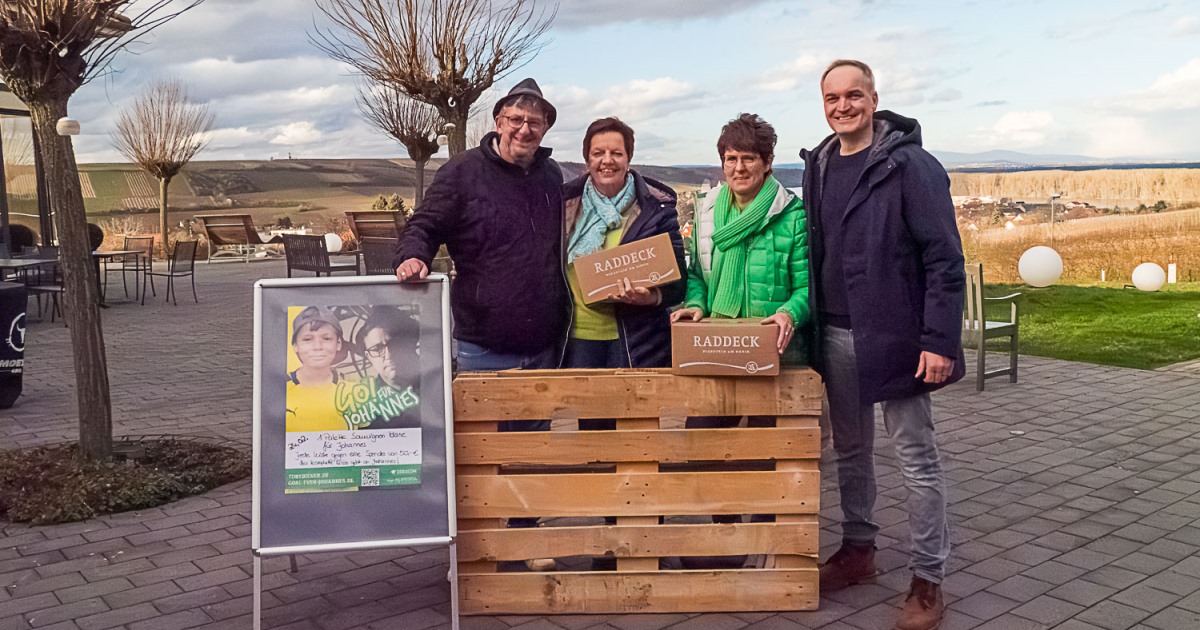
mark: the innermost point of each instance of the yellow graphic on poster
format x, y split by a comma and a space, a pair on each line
353, 408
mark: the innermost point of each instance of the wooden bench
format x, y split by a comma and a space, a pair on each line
376, 224
649, 467
234, 236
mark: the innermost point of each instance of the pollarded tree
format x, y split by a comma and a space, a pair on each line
413, 124
48, 49
446, 53
161, 132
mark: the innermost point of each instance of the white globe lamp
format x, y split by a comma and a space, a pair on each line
333, 243
1149, 277
1040, 266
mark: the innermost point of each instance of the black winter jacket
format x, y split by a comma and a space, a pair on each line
902, 259
503, 227
645, 331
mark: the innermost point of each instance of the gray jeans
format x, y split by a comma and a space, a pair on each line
909, 423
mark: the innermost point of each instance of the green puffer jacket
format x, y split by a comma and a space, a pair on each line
776, 267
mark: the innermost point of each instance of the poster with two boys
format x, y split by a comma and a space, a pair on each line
353, 398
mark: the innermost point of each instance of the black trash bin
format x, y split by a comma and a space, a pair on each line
12, 341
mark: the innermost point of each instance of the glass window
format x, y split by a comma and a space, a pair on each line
20, 176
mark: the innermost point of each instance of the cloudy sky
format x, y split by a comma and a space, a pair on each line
1104, 78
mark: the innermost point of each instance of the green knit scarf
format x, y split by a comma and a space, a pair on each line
731, 238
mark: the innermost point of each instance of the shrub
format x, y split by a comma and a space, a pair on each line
52, 484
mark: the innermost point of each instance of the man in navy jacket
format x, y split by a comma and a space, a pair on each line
889, 265
498, 209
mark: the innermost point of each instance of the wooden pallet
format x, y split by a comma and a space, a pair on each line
649, 467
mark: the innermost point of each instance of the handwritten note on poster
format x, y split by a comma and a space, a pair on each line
327, 461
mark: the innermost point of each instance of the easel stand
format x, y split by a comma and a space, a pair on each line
452, 577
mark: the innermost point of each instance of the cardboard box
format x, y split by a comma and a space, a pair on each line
649, 262
725, 347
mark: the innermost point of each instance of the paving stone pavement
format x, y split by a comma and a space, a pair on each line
1074, 503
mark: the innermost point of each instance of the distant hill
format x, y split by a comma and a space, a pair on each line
1000, 160
285, 186
1000, 157
305, 184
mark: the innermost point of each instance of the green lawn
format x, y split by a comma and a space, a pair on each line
1110, 326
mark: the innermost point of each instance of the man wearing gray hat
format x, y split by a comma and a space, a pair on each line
498, 208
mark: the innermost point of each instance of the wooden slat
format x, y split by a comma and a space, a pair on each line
658, 592
680, 445
799, 421
641, 541
619, 494
553, 394
634, 564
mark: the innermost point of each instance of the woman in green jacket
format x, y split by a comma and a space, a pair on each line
749, 258
749, 251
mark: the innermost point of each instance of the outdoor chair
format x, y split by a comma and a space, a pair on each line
181, 263
233, 235
309, 253
378, 254
977, 329
376, 224
44, 282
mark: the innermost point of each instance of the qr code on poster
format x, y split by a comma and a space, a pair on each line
370, 477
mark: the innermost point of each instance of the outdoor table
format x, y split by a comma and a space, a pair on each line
20, 266
106, 257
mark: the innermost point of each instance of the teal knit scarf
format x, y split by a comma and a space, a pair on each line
598, 215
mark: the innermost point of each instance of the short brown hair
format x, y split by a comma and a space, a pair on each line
606, 125
748, 133
866, 70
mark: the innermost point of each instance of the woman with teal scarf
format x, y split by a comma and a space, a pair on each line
610, 205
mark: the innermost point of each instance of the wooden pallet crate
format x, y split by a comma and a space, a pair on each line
650, 467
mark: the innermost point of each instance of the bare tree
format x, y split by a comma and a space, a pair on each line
161, 132
48, 49
411, 123
479, 125
442, 52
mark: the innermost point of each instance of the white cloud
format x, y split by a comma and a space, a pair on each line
1019, 130
296, 133
1186, 25
580, 14
232, 137
786, 76
1176, 90
633, 102
642, 99
945, 96
210, 77
1116, 136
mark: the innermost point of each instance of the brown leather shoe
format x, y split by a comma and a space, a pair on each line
853, 564
923, 608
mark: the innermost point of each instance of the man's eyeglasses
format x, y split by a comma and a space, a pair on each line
395, 343
516, 122
376, 351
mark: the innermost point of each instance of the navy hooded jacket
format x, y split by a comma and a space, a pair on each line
503, 227
902, 259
